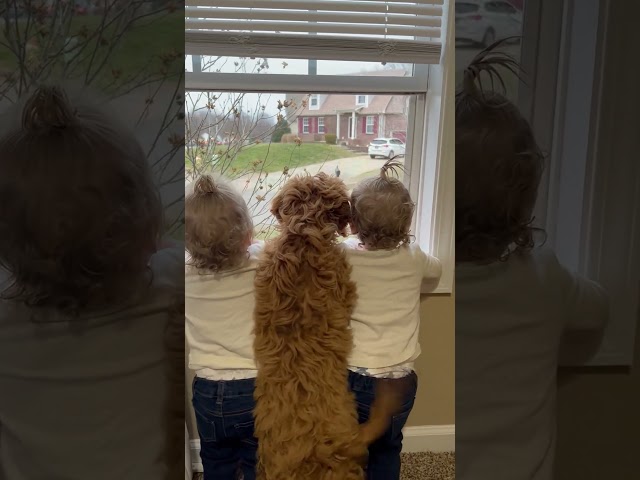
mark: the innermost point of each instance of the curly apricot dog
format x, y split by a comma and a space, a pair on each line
305, 416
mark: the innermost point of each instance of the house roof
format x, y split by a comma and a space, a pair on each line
378, 104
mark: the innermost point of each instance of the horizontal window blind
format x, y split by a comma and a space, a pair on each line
354, 30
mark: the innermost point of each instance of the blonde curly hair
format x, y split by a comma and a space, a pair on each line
218, 225
382, 210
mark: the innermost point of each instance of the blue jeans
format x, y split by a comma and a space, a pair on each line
224, 415
384, 453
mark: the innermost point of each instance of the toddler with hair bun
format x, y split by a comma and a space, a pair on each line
220, 267
514, 301
389, 272
91, 308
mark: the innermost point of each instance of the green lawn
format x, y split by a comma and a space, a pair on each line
276, 156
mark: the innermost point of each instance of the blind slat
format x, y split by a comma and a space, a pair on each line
240, 26
310, 46
323, 5
300, 16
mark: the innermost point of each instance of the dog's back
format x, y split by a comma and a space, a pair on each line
305, 417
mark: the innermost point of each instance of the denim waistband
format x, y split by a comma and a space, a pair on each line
367, 383
228, 388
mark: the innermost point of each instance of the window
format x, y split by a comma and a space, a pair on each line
576, 206
314, 102
370, 124
264, 103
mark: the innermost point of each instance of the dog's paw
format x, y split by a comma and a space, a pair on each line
357, 450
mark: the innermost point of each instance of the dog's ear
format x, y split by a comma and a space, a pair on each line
341, 216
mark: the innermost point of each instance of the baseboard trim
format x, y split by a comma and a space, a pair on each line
424, 438
429, 438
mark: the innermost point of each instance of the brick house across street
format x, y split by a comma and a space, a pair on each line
354, 119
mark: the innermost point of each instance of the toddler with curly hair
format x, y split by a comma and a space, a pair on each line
91, 312
220, 267
514, 301
389, 272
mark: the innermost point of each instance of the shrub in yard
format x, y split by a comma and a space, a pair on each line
288, 138
282, 128
330, 138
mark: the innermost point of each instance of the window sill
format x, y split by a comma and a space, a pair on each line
441, 289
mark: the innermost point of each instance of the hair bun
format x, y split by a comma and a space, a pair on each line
489, 61
392, 165
205, 186
48, 107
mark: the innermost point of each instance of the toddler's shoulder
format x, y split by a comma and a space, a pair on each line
545, 263
426, 264
418, 254
168, 267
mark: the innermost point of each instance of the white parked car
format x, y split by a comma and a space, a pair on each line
485, 22
386, 147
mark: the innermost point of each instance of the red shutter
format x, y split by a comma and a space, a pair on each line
364, 125
300, 126
376, 119
314, 124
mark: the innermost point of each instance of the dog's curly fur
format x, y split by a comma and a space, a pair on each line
305, 416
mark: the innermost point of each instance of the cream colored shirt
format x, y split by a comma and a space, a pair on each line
219, 319
88, 399
510, 321
386, 319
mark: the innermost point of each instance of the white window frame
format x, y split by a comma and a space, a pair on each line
305, 125
576, 204
317, 99
431, 129
362, 104
321, 125
321, 84
429, 155
372, 124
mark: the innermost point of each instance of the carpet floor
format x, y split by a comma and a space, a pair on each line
420, 466
428, 466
